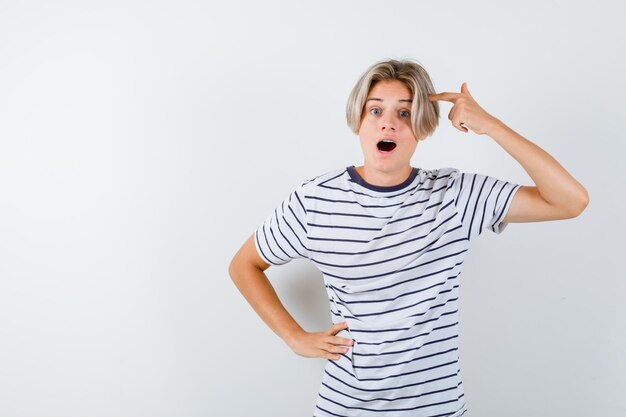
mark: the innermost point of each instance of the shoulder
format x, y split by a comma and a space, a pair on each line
311, 185
457, 175
441, 173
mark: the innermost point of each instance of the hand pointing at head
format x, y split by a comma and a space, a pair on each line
465, 111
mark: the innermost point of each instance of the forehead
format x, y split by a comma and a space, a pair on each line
390, 90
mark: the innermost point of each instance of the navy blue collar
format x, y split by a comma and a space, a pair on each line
357, 178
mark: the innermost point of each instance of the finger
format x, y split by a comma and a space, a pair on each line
455, 113
336, 328
457, 123
341, 326
462, 118
331, 356
451, 97
464, 89
342, 341
335, 349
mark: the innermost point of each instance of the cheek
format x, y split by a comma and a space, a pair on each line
363, 128
368, 125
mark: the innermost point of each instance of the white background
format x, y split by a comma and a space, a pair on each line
142, 142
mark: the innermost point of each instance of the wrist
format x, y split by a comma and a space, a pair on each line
291, 337
495, 127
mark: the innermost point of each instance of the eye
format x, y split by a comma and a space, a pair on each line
404, 113
374, 109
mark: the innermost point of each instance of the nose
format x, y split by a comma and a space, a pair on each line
388, 124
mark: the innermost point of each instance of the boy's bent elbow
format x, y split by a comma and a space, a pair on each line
246, 258
232, 267
584, 202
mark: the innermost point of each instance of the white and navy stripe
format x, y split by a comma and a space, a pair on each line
391, 259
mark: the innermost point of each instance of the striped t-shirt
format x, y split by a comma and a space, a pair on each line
391, 257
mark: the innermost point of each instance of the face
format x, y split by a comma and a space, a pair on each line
387, 116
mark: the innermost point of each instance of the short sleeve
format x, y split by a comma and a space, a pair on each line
482, 202
283, 235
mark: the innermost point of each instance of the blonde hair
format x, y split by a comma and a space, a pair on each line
424, 113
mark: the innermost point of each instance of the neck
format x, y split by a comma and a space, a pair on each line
384, 178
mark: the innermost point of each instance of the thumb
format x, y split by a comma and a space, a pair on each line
465, 90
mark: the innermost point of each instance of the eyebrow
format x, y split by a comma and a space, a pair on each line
380, 99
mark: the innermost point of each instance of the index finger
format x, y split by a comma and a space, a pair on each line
451, 97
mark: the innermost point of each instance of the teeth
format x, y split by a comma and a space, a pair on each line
388, 141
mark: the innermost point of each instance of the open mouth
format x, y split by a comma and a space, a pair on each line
386, 145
